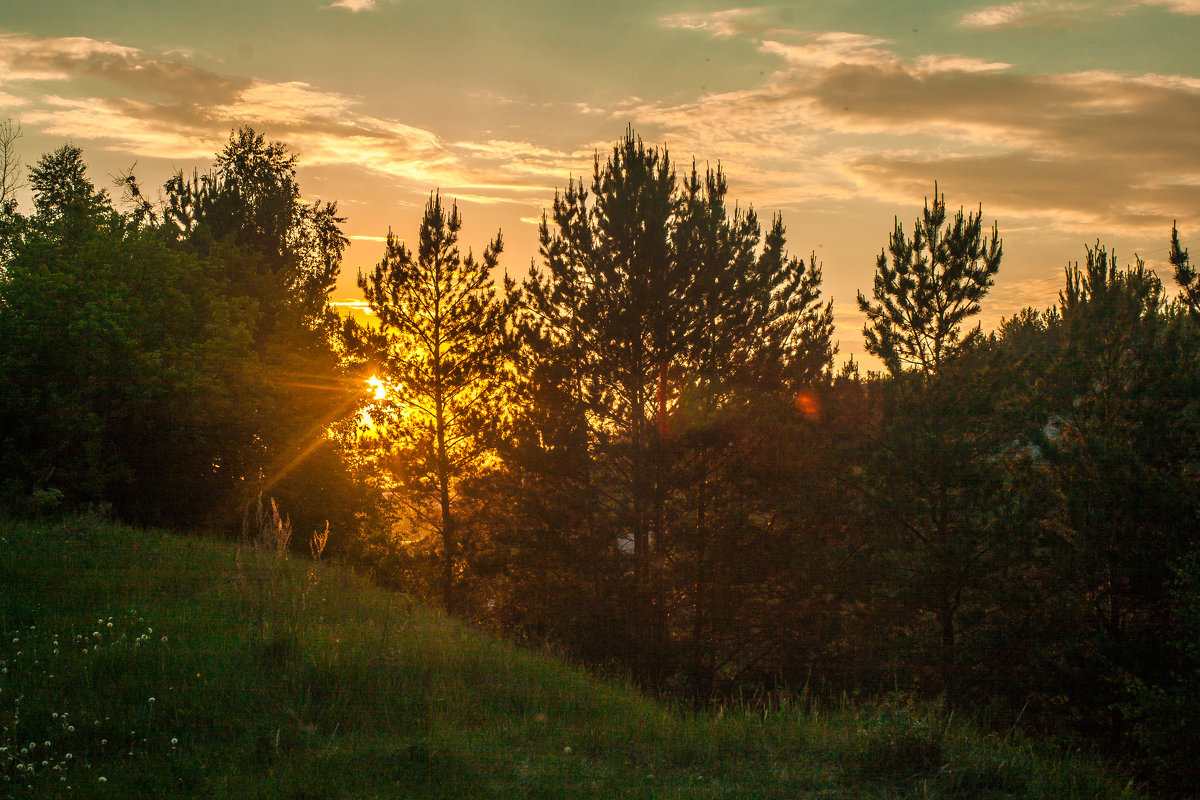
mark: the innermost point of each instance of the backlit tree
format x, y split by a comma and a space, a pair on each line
444, 360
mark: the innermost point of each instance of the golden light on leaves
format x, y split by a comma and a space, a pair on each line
378, 391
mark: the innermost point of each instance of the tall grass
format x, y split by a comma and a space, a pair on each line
277, 676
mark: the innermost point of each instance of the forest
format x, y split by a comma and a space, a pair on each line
642, 451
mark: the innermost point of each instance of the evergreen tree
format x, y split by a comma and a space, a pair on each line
1126, 380
658, 319
935, 473
445, 360
926, 287
1185, 274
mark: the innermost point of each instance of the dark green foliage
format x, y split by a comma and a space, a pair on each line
1162, 710
174, 362
1120, 460
123, 360
664, 335
926, 287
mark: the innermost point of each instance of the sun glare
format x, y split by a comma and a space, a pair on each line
377, 385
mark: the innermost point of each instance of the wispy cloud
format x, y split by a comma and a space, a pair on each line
724, 23
353, 6
847, 115
1036, 13
1190, 7
1064, 13
11, 100
168, 109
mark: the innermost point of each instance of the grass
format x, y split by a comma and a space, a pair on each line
143, 664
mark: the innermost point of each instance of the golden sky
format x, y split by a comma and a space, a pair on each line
1067, 122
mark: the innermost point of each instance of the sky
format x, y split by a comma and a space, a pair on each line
1065, 122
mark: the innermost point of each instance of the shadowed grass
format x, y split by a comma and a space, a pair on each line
281, 678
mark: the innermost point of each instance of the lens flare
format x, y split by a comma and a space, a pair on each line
808, 404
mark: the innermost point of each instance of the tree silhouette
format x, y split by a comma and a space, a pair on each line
445, 347
926, 287
1185, 274
126, 367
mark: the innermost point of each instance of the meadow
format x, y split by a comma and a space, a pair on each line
140, 663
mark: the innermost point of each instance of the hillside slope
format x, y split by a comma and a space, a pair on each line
143, 664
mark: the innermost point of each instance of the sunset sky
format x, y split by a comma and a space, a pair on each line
1068, 121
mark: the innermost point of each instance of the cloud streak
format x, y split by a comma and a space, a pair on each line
353, 6
1065, 13
848, 114
167, 109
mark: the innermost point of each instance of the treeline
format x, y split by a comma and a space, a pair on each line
170, 361
642, 451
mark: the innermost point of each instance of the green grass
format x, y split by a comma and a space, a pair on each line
175, 667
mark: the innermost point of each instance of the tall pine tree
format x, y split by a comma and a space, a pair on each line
446, 362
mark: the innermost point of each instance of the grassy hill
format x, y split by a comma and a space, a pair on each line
144, 664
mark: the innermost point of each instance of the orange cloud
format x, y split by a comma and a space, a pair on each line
168, 109
847, 114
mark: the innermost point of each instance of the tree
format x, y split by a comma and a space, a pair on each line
930, 285
124, 363
657, 319
445, 362
283, 256
1126, 381
10, 162
1185, 274
936, 471
10, 168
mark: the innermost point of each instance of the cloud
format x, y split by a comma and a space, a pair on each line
1037, 13
722, 24
846, 115
172, 110
1064, 13
27, 58
354, 6
1190, 7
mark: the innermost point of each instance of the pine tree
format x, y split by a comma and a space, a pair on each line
930, 285
446, 365
653, 310
936, 474
1185, 274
